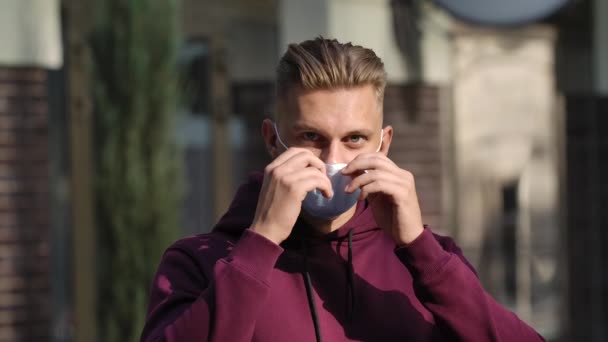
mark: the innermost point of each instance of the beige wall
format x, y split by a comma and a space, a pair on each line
30, 33
301, 20
370, 23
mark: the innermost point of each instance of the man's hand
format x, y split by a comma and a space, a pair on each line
391, 193
287, 180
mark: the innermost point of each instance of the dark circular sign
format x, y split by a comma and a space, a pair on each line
501, 12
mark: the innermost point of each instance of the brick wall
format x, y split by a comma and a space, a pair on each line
413, 111
24, 206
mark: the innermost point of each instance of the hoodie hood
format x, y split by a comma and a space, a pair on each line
241, 212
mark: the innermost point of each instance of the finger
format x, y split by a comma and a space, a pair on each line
373, 176
297, 163
282, 158
368, 162
309, 179
295, 158
379, 186
361, 180
395, 185
303, 160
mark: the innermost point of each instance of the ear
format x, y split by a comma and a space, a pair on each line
387, 138
270, 138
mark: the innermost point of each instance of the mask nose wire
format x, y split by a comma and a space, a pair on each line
276, 130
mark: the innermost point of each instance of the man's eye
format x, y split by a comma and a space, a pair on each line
355, 138
310, 136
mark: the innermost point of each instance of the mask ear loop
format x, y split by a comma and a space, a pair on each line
379, 146
276, 130
381, 137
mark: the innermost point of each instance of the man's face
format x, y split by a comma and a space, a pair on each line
336, 125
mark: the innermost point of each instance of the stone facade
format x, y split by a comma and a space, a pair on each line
507, 149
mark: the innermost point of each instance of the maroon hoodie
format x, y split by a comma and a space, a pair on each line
350, 285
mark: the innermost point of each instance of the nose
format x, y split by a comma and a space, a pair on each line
332, 153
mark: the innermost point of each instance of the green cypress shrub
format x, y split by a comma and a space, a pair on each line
133, 46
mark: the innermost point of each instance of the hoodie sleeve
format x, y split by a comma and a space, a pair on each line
449, 288
188, 305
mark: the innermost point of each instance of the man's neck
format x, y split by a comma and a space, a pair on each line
324, 227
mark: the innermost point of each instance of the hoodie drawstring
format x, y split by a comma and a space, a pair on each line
309, 294
350, 274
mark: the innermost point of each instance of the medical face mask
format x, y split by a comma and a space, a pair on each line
321, 207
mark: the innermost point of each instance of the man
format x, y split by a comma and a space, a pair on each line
328, 244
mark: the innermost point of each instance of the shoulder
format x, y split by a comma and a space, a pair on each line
199, 251
449, 245
208, 245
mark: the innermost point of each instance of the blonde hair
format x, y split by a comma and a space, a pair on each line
328, 64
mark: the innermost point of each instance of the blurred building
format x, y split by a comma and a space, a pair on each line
504, 128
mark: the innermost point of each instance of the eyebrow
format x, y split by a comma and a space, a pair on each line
366, 132
303, 127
